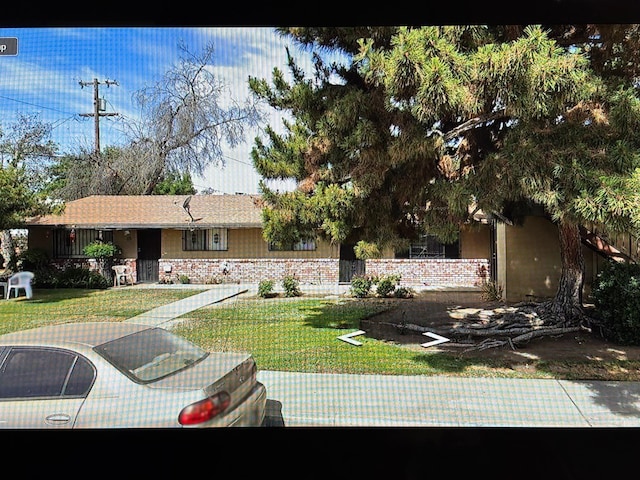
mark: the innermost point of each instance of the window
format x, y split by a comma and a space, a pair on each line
427, 247
302, 245
151, 354
43, 372
70, 242
204, 239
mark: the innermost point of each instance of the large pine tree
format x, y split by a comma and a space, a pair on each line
420, 123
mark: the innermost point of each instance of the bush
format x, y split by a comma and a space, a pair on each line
361, 286
291, 286
386, 284
34, 260
100, 250
214, 280
184, 279
37, 260
265, 289
103, 252
404, 292
616, 294
491, 291
73, 277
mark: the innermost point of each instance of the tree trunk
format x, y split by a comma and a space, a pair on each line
567, 307
8, 251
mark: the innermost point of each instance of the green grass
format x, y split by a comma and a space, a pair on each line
65, 305
302, 336
288, 334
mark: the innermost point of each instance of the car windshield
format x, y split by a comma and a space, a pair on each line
151, 354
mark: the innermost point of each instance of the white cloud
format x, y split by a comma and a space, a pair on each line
44, 78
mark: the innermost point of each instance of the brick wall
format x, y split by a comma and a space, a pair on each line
61, 264
432, 271
413, 272
416, 272
309, 271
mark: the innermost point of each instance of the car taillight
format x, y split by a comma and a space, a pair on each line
204, 410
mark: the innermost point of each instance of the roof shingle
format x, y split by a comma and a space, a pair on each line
157, 211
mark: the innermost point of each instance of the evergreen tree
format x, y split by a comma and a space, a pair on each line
25, 151
421, 123
175, 183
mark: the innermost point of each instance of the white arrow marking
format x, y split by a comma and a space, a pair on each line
438, 339
347, 338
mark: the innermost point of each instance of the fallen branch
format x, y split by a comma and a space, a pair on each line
512, 328
544, 332
493, 332
488, 343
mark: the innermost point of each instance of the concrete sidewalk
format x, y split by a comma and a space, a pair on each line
340, 400
303, 399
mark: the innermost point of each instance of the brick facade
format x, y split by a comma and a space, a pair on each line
310, 271
414, 272
433, 272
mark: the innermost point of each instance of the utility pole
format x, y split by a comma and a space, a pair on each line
98, 107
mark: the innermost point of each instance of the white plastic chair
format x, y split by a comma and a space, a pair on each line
123, 275
20, 280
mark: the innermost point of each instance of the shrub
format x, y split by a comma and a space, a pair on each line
183, 279
404, 292
73, 277
291, 286
616, 294
491, 291
100, 250
45, 278
386, 284
265, 288
361, 286
37, 260
103, 252
34, 260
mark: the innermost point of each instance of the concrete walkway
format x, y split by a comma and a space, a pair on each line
314, 399
165, 315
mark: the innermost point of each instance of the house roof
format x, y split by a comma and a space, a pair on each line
157, 211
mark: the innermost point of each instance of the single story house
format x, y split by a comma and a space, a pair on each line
218, 238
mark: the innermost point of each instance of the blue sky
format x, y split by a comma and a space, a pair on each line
44, 78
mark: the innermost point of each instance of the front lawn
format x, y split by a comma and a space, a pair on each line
301, 335
288, 334
65, 305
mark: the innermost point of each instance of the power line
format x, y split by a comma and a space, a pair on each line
54, 125
35, 105
62, 122
236, 160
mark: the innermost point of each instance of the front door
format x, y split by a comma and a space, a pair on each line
148, 255
349, 264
